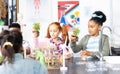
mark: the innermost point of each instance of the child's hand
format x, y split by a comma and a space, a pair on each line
74, 38
85, 52
68, 56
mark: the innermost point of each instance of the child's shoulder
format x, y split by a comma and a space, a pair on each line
86, 36
105, 36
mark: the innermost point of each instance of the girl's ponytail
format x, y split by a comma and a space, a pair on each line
65, 35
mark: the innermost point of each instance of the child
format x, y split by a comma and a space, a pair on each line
89, 44
16, 27
36, 40
13, 61
36, 34
53, 31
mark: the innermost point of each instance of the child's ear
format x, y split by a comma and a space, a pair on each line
100, 27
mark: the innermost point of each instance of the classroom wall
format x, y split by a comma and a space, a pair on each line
115, 23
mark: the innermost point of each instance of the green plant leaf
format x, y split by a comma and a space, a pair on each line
76, 31
36, 26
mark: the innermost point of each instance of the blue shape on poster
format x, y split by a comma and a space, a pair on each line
77, 20
63, 20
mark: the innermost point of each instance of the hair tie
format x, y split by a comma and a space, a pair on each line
94, 15
7, 43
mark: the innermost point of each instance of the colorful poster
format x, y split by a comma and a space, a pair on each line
69, 13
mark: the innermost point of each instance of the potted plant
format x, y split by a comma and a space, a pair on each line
76, 32
36, 26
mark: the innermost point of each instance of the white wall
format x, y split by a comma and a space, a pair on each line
116, 23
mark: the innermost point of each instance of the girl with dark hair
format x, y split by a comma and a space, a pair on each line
89, 44
13, 61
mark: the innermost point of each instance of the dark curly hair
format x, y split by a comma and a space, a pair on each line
99, 17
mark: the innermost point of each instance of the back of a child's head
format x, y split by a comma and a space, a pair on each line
99, 17
11, 43
15, 25
18, 39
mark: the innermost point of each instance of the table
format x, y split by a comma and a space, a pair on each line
77, 66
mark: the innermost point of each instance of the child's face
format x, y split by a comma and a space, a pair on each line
54, 31
35, 34
93, 28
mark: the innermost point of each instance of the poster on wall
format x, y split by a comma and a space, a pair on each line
69, 14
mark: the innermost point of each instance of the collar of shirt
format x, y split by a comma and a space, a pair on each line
18, 56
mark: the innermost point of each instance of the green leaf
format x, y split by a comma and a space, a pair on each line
76, 31
1, 23
36, 26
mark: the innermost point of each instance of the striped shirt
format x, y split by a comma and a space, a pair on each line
93, 44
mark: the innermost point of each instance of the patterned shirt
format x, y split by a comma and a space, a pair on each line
57, 45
